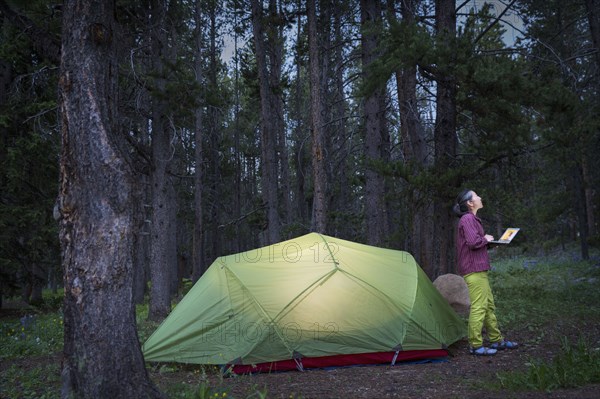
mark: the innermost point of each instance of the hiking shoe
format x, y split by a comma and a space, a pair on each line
504, 345
482, 351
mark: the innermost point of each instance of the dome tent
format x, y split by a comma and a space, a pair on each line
313, 301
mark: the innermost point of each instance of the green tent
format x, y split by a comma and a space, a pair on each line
312, 301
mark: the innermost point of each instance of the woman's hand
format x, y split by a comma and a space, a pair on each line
489, 237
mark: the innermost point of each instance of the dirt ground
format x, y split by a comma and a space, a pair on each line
461, 376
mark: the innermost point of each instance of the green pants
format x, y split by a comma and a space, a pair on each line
482, 309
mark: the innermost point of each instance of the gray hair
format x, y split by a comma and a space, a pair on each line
460, 207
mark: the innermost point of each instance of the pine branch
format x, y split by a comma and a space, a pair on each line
47, 45
496, 20
238, 220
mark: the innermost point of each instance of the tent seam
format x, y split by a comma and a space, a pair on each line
262, 310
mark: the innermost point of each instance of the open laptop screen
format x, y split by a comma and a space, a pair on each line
507, 236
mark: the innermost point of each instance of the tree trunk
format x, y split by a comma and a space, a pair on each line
415, 149
411, 128
299, 132
237, 242
269, 186
140, 275
102, 356
319, 217
163, 254
276, 43
593, 14
6, 77
141, 260
38, 281
173, 233
445, 143
340, 141
141, 237
589, 196
582, 220
214, 174
5, 81
198, 247
375, 141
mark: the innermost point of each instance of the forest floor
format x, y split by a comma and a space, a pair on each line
461, 376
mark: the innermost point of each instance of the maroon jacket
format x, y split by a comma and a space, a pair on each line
471, 246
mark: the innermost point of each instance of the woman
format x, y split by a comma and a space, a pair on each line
473, 265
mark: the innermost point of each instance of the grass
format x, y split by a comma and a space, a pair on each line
205, 391
39, 382
545, 293
574, 366
533, 295
550, 293
32, 339
31, 335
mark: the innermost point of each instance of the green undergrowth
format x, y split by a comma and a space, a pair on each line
31, 335
541, 298
37, 382
574, 366
531, 294
205, 391
29, 347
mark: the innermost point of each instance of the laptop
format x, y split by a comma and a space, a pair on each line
507, 236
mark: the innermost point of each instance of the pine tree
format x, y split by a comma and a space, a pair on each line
102, 355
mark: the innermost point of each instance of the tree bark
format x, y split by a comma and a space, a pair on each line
102, 356
411, 128
237, 242
163, 252
198, 252
299, 152
593, 13
582, 219
6, 77
276, 41
376, 132
5, 82
414, 149
590, 195
269, 184
317, 111
141, 259
445, 143
214, 175
340, 141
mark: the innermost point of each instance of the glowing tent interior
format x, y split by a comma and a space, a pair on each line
310, 302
